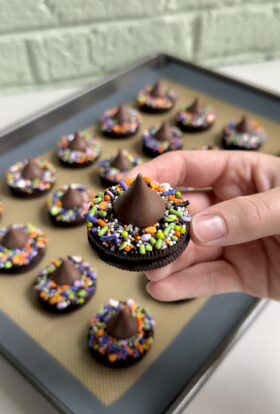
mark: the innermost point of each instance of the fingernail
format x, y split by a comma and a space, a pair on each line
208, 227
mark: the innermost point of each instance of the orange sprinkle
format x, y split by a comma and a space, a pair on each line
101, 222
129, 181
140, 348
106, 198
138, 237
127, 248
177, 233
112, 357
150, 230
153, 184
103, 205
147, 180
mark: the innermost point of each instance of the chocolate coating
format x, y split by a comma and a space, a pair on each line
66, 273
15, 239
139, 205
121, 161
195, 107
32, 170
78, 143
243, 125
164, 133
122, 114
122, 325
158, 90
71, 198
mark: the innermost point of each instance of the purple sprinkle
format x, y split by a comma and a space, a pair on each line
146, 237
169, 192
92, 219
123, 185
186, 218
109, 237
109, 193
78, 283
93, 230
61, 305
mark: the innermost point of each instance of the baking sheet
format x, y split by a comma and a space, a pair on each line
64, 336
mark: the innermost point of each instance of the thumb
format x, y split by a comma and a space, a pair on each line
238, 220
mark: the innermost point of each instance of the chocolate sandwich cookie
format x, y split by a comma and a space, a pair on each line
121, 333
160, 139
247, 134
112, 171
196, 117
30, 178
139, 224
156, 98
68, 205
65, 284
21, 247
120, 122
78, 150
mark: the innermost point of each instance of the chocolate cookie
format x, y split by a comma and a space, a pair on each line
156, 98
65, 285
120, 122
160, 139
139, 224
196, 117
247, 134
121, 333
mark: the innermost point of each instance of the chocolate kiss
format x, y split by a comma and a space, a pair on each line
195, 107
158, 90
71, 198
32, 170
66, 273
121, 161
122, 325
139, 205
78, 143
15, 239
122, 114
243, 125
164, 133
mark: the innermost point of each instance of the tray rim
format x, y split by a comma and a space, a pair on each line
156, 61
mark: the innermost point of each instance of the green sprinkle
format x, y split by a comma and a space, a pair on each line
82, 293
81, 301
160, 235
102, 213
124, 233
158, 244
168, 229
178, 194
177, 228
97, 200
142, 249
152, 241
89, 225
8, 265
92, 211
183, 230
171, 217
103, 231
149, 248
122, 246
55, 210
174, 238
176, 212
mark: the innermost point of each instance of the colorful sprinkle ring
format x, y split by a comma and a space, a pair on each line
196, 117
31, 178
156, 98
21, 247
153, 147
78, 150
62, 298
121, 352
246, 134
68, 205
120, 122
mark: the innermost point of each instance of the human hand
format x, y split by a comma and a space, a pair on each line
235, 229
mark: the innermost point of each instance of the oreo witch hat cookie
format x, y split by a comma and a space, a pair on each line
139, 224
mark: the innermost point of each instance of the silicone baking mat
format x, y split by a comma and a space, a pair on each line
63, 338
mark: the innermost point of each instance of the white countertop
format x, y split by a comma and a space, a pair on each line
248, 380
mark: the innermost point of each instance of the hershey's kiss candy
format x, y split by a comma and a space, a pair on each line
66, 273
121, 161
122, 325
71, 198
78, 143
139, 205
32, 170
14, 239
195, 107
164, 133
122, 114
243, 125
158, 90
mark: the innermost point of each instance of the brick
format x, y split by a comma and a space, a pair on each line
187, 5
16, 15
238, 31
14, 63
99, 49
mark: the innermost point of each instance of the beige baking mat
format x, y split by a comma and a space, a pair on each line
64, 336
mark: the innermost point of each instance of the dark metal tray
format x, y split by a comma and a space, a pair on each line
212, 330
